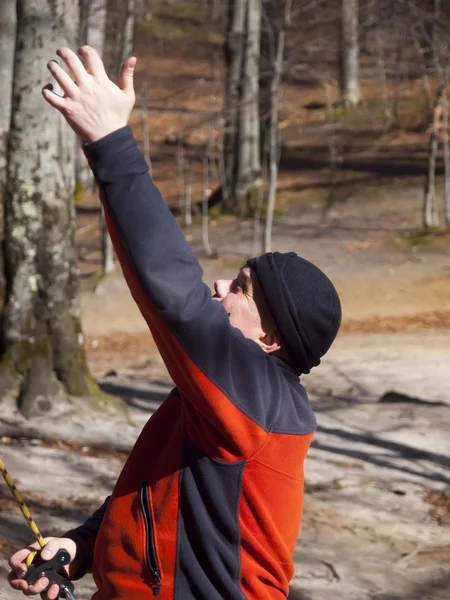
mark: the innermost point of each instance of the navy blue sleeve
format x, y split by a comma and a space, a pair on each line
171, 279
84, 536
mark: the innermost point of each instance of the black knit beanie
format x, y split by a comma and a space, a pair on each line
304, 304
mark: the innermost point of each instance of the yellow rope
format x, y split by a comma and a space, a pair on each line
24, 509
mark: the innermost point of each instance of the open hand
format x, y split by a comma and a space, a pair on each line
18, 567
92, 104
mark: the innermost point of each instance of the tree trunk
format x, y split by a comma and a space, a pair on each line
206, 194
430, 212
92, 32
429, 10
446, 146
274, 133
214, 11
350, 82
7, 47
126, 48
123, 40
271, 23
43, 364
249, 155
234, 55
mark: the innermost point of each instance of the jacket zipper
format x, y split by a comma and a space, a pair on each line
150, 545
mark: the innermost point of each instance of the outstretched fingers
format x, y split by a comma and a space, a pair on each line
126, 76
53, 99
93, 61
68, 86
74, 64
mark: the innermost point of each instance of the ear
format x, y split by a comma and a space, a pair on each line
269, 342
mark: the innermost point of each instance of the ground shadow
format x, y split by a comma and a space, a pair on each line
298, 595
399, 452
429, 590
406, 161
144, 399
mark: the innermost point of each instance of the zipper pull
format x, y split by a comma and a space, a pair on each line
156, 587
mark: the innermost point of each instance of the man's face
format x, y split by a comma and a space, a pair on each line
237, 296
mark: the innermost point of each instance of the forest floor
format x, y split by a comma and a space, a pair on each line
376, 522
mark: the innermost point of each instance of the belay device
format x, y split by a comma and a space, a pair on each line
53, 569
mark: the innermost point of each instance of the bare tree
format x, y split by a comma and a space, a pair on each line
125, 18
249, 159
446, 147
43, 365
7, 46
145, 128
274, 129
234, 55
205, 220
427, 13
242, 143
128, 31
430, 210
92, 32
214, 11
350, 78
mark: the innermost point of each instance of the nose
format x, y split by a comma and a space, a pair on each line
222, 287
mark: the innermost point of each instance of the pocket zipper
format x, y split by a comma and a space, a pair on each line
150, 545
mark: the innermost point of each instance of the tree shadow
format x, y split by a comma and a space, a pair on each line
298, 595
429, 590
406, 161
432, 589
399, 452
145, 399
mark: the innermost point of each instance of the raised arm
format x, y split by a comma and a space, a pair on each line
227, 382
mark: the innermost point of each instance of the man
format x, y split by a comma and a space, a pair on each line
209, 502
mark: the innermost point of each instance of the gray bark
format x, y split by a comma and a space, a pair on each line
146, 137
249, 160
95, 24
351, 88
188, 199
7, 47
214, 11
128, 32
242, 158
43, 362
206, 194
446, 145
274, 132
428, 13
92, 32
108, 265
235, 60
430, 212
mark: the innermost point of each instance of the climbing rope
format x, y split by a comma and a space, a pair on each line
24, 509
50, 569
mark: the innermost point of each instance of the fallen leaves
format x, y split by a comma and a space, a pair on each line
440, 501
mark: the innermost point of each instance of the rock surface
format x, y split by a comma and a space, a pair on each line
376, 522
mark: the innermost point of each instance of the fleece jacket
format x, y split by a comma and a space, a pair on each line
209, 502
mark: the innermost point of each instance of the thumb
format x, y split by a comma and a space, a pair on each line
126, 76
50, 549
